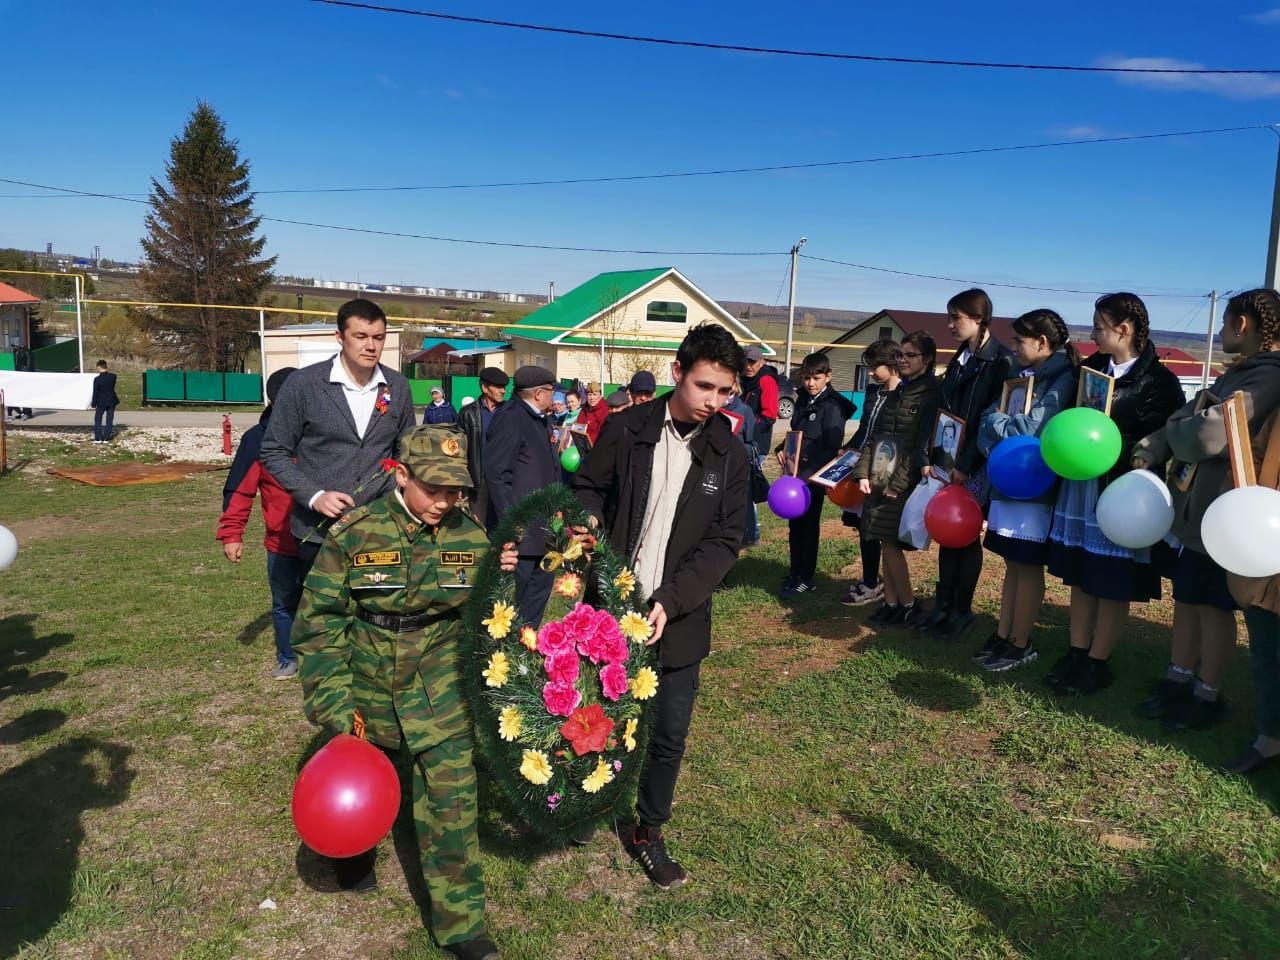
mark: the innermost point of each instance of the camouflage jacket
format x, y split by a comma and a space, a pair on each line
385, 560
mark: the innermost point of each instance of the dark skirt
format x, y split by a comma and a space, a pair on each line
1031, 552
1110, 578
1198, 580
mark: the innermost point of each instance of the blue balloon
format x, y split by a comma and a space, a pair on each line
1017, 469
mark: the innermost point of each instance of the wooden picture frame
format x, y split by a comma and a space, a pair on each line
791, 445
1095, 390
839, 468
1015, 389
943, 450
1235, 417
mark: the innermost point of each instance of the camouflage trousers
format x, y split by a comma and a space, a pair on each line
444, 815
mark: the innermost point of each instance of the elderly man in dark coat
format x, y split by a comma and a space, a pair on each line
474, 419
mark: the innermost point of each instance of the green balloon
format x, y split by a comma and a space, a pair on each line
1080, 443
571, 459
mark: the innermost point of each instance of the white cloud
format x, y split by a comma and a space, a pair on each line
1266, 17
1235, 86
1080, 132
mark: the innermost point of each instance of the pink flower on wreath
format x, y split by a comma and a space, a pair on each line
579, 622
562, 667
560, 698
603, 643
554, 638
613, 680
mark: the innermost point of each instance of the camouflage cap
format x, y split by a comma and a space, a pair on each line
436, 454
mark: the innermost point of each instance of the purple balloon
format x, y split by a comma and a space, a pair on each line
789, 497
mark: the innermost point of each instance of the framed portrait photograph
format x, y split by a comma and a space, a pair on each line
886, 454
838, 469
791, 451
1235, 417
1180, 473
1095, 390
1015, 396
948, 435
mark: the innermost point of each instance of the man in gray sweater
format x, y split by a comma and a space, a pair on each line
334, 423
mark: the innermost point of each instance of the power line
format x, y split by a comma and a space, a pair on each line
772, 168
988, 283
780, 51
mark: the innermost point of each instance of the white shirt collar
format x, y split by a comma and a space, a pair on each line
338, 374
1118, 370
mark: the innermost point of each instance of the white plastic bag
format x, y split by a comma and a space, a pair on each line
911, 528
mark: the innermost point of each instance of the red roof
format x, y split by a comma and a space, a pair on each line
1179, 361
935, 324
10, 294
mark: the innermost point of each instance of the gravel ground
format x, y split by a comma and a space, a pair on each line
199, 444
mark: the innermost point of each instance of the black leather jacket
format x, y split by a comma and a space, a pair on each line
1141, 402
968, 390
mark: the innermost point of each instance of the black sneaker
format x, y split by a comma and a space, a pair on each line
1195, 713
482, 948
1064, 667
934, 620
649, 850
797, 587
1010, 657
787, 584
955, 626
1087, 678
883, 615
994, 643
583, 836
1169, 695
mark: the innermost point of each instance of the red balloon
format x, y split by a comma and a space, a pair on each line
953, 517
846, 494
346, 798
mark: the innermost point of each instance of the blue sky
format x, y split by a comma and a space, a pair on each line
319, 96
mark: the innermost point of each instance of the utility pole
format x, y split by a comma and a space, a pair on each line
79, 323
1208, 347
1272, 279
791, 305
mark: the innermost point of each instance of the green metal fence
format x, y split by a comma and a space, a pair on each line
6, 361
59, 358
195, 386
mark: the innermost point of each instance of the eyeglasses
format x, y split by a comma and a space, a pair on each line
912, 356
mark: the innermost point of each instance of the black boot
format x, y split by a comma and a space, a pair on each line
956, 625
941, 611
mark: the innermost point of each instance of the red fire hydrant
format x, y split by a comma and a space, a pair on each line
226, 434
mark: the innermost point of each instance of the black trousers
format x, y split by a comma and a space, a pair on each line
958, 571
308, 550
533, 590
677, 689
804, 539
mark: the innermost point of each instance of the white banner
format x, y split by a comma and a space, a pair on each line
47, 391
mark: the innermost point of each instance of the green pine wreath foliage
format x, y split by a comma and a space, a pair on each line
561, 807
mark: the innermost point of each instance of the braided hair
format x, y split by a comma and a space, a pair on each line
1262, 307
1050, 325
1118, 308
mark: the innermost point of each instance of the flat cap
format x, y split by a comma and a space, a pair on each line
494, 376
529, 377
643, 382
619, 398
436, 454
753, 352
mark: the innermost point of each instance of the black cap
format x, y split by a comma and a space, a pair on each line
529, 377
494, 376
643, 382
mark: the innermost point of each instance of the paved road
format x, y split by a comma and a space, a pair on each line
240, 420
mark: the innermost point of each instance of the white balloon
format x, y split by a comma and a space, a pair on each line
1135, 510
1241, 531
8, 548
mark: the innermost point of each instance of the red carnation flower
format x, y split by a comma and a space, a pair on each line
389, 464
587, 729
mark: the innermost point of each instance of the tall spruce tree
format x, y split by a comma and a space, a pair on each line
202, 247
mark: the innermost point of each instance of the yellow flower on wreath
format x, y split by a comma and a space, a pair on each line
644, 684
535, 766
602, 774
625, 581
495, 675
499, 622
629, 734
569, 585
529, 637
635, 627
509, 723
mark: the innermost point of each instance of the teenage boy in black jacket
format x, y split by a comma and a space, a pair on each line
821, 416
667, 483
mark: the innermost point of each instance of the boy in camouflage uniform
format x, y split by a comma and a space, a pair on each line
377, 635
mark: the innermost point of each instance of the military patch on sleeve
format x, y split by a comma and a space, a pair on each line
458, 558
377, 558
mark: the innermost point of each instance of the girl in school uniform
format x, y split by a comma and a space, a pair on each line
1105, 578
972, 383
1196, 439
1018, 530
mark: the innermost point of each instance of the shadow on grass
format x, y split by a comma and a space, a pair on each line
934, 690
253, 630
20, 646
1194, 905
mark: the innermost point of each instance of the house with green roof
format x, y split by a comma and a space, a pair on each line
619, 323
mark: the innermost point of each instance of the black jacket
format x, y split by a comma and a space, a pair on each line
822, 420
518, 459
613, 485
968, 390
1141, 402
104, 391
472, 425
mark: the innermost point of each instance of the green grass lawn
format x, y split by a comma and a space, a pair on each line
844, 794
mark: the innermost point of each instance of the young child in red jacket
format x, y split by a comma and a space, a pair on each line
285, 574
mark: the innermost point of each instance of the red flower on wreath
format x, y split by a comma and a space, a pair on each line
587, 729
389, 465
